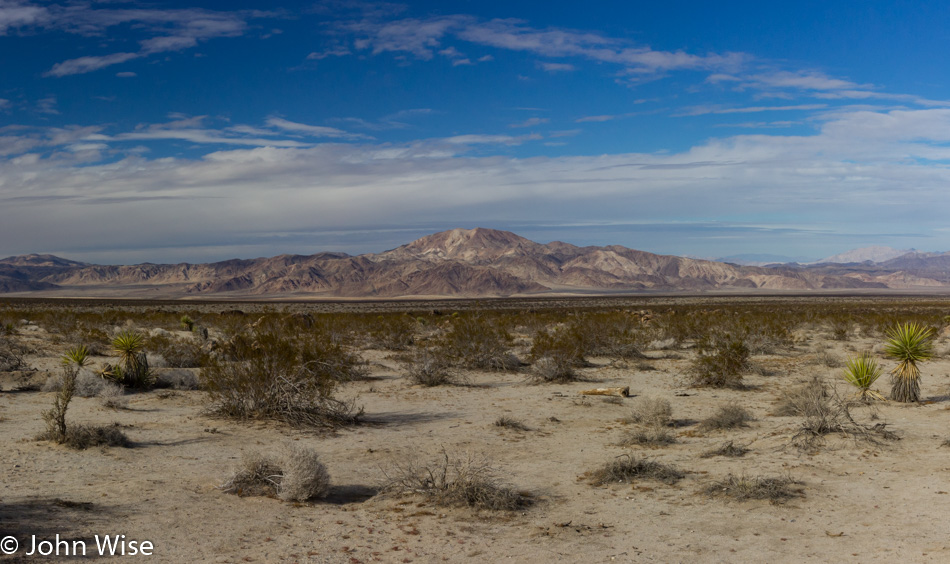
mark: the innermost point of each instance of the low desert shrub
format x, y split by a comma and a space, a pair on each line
651, 411
626, 469
775, 490
804, 400
429, 367
455, 481
510, 423
475, 342
728, 449
393, 332
176, 378
562, 344
81, 436
652, 435
297, 476
721, 361
272, 375
728, 416
548, 369
178, 353
11, 355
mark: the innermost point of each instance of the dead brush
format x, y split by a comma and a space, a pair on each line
727, 449
651, 411
553, 369
729, 416
429, 367
627, 468
510, 423
297, 476
451, 481
802, 400
776, 490
653, 417
830, 414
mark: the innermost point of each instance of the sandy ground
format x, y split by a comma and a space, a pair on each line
862, 503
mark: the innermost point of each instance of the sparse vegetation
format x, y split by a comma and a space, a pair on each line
297, 476
628, 468
728, 449
721, 361
455, 481
654, 412
476, 342
274, 375
729, 416
428, 367
775, 490
510, 423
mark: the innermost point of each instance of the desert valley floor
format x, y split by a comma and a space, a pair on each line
851, 499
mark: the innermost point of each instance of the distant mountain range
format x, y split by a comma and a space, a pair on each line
460, 263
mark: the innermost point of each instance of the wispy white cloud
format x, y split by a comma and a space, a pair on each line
312, 130
703, 110
531, 122
474, 139
337, 51
557, 67
605, 117
163, 31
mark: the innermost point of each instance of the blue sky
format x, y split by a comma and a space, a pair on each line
165, 132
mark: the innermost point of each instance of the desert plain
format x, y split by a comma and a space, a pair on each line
876, 490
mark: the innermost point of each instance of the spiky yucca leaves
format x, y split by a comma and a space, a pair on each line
76, 356
908, 344
861, 373
132, 370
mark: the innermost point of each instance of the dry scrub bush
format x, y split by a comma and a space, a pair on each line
616, 335
653, 416
552, 369
297, 476
455, 481
393, 332
88, 384
286, 377
741, 487
178, 353
476, 342
728, 416
651, 411
626, 469
728, 449
804, 400
561, 344
510, 423
824, 412
11, 355
721, 361
428, 367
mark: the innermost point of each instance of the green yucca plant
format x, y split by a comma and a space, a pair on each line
862, 372
908, 344
76, 356
132, 370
